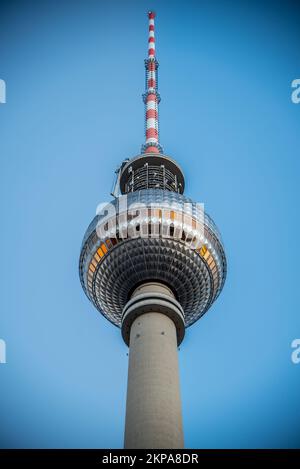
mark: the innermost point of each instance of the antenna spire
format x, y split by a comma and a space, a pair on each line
151, 96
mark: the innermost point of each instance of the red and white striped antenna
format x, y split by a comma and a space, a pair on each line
151, 96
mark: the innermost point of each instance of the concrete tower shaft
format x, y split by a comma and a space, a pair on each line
153, 409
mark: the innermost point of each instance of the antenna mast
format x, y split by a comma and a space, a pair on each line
151, 96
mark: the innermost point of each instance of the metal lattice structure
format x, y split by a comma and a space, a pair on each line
151, 171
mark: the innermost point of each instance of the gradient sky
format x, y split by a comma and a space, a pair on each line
74, 73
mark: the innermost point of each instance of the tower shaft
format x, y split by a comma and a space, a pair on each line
153, 410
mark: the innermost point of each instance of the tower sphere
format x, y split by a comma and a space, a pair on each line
153, 234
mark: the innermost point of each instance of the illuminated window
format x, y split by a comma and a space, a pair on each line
207, 254
100, 252
203, 250
104, 248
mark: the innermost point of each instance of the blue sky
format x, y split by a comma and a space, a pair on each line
74, 74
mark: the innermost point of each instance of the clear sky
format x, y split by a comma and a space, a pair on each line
74, 73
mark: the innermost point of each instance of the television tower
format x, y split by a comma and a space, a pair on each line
152, 262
